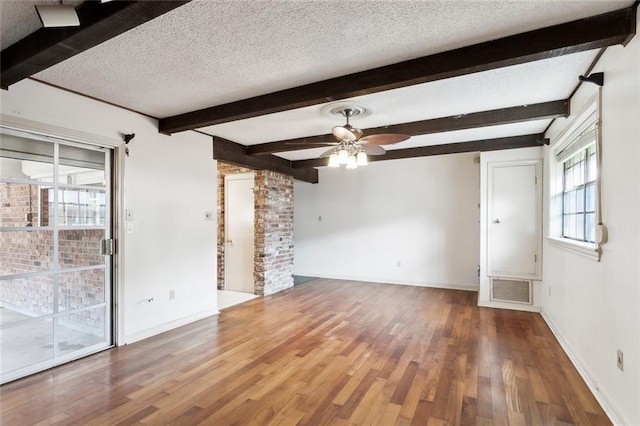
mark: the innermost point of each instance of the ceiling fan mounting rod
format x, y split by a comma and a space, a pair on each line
348, 113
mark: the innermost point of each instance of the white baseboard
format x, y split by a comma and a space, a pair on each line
616, 417
144, 334
395, 282
506, 305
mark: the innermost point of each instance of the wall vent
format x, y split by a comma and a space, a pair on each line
513, 291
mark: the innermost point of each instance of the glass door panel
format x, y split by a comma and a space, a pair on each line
55, 283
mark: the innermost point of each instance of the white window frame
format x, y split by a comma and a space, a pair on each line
589, 113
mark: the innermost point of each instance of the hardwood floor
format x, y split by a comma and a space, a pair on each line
326, 352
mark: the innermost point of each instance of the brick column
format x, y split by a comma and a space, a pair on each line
273, 229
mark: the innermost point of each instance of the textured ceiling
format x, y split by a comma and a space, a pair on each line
208, 53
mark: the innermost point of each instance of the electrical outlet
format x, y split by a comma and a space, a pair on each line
128, 213
620, 360
172, 294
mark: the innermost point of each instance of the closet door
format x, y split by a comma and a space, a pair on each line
514, 216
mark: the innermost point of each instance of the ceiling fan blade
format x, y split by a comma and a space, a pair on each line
373, 149
384, 139
327, 153
313, 143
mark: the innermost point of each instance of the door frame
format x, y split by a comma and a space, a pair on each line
117, 203
227, 178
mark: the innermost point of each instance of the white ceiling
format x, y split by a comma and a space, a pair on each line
211, 52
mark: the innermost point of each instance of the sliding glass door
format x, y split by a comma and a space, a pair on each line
55, 268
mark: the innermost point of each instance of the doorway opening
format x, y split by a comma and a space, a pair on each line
273, 229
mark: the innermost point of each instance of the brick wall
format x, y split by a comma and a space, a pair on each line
273, 229
16, 202
32, 251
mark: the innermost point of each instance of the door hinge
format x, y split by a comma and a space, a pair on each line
536, 178
107, 247
535, 258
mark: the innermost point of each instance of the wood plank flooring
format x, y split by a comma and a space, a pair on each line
326, 352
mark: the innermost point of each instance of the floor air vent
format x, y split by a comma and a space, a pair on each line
514, 291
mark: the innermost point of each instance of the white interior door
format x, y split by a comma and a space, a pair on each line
239, 232
514, 229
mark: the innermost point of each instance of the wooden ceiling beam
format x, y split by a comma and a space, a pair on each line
510, 142
595, 32
234, 153
99, 22
494, 117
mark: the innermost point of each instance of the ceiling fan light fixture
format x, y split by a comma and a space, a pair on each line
333, 160
361, 159
57, 15
353, 148
352, 163
343, 156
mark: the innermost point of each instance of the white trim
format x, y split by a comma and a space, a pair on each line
150, 332
240, 176
393, 282
50, 228
588, 250
52, 272
601, 396
507, 305
48, 131
588, 113
118, 259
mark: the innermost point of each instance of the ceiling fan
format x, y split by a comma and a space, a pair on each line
352, 148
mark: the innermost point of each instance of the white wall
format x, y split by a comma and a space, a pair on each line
484, 294
594, 307
169, 184
420, 212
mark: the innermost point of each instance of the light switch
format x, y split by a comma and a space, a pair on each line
129, 227
128, 214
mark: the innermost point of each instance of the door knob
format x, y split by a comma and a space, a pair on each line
496, 221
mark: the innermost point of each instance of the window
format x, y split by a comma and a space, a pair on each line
579, 194
77, 207
574, 204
